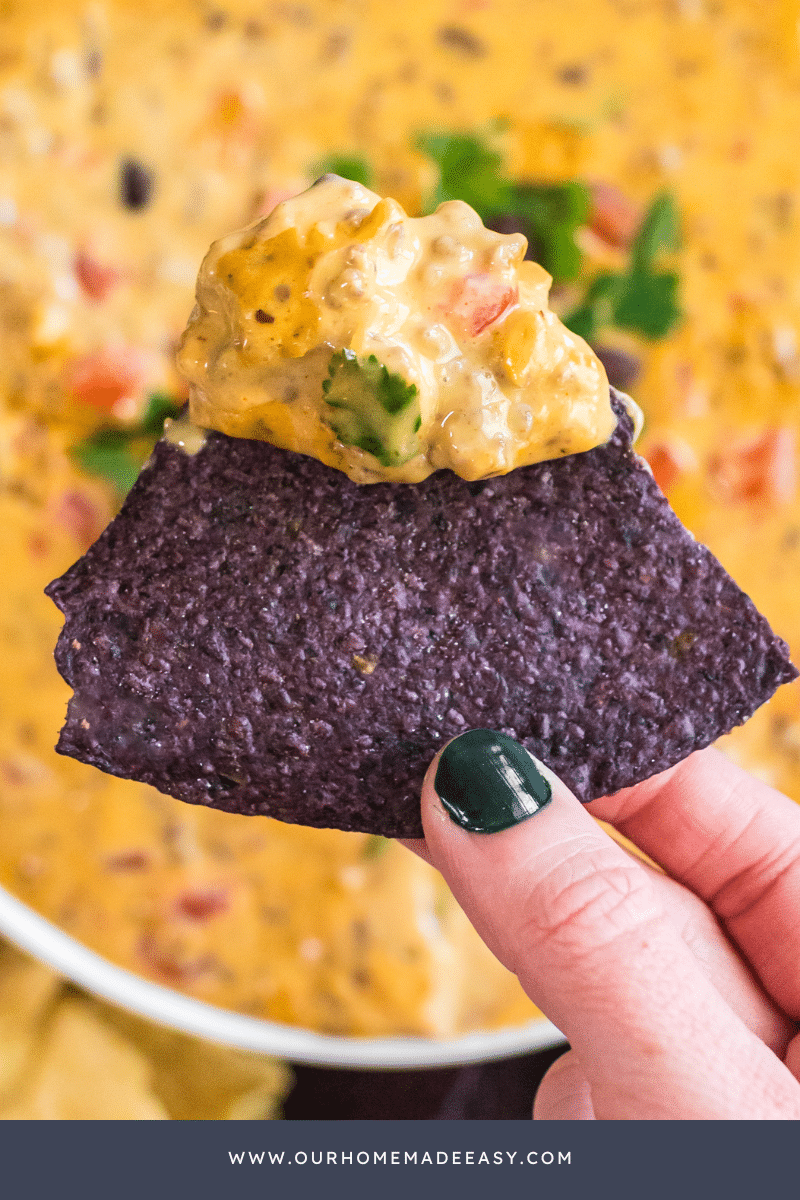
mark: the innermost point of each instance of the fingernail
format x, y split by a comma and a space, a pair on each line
488, 782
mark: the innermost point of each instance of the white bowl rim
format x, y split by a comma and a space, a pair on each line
69, 957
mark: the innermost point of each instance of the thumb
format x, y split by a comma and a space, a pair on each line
564, 1093
582, 926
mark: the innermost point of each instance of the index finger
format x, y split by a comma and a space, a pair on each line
735, 842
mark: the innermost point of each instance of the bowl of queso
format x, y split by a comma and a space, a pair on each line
131, 141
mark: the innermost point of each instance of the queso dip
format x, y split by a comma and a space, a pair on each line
132, 136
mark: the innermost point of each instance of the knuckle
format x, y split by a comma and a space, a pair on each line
776, 867
584, 903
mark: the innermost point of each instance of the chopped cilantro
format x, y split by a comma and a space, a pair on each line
658, 232
647, 303
349, 166
372, 408
547, 214
596, 310
118, 454
106, 453
159, 407
642, 298
469, 170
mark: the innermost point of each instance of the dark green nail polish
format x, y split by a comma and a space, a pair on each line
488, 782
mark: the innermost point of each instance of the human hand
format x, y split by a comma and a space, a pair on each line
678, 991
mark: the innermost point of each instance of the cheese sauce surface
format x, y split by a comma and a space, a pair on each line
132, 137
388, 346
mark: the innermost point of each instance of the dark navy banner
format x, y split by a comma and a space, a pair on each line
387, 1159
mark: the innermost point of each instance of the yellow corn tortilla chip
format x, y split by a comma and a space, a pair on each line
199, 1081
27, 990
84, 1070
66, 1056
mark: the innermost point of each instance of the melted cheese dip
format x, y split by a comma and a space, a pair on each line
493, 379
226, 108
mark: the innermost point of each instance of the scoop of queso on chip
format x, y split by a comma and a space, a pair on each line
388, 346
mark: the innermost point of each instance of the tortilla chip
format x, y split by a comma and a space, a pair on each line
84, 1071
27, 990
65, 1056
256, 633
200, 1081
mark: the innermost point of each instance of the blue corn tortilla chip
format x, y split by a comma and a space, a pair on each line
257, 633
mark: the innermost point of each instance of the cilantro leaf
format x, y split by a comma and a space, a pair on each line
647, 303
159, 407
658, 232
372, 408
641, 298
109, 456
118, 454
469, 170
596, 310
549, 215
349, 166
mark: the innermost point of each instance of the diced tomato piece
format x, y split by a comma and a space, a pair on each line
13, 773
478, 300
201, 904
38, 545
667, 462
129, 860
106, 377
81, 517
96, 280
763, 468
614, 216
170, 962
265, 202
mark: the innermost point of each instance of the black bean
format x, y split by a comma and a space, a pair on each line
622, 368
505, 223
573, 75
515, 223
454, 37
94, 63
135, 184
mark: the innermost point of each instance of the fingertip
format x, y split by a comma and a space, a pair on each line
485, 782
564, 1093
